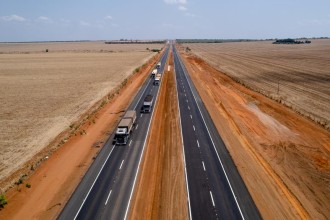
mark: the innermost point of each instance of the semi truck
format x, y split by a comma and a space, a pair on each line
158, 65
147, 104
125, 128
157, 80
154, 73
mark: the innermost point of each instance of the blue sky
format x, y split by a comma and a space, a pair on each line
45, 20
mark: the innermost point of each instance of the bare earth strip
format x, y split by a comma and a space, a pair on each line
43, 94
55, 179
302, 72
284, 158
160, 191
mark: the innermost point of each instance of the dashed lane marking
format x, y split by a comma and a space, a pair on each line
136, 127
130, 143
203, 166
197, 143
194, 127
190, 115
212, 199
121, 164
108, 197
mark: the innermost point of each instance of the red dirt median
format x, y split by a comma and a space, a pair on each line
160, 192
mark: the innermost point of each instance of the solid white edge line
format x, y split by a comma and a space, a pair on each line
113, 147
212, 199
121, 164
138, 168
232, 191
142, 94
184, 157
203, 166
108, 197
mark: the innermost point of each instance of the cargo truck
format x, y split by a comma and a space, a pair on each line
157, 81
125, 128
147, 104
154, 73
158, 65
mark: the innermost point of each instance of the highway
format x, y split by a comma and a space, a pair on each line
106, 189
215, 188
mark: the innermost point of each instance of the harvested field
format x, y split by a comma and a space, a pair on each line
160, 192
43, 94
302, 72
283, 158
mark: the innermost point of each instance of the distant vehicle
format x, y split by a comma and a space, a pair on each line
154, 72
157, 80
125, 128
158, 65
147, 104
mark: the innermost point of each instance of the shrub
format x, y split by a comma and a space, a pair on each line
3, 201
28, 185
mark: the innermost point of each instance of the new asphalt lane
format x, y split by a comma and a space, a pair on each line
106, 189
216, 190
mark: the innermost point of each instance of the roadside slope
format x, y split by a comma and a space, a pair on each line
160, 192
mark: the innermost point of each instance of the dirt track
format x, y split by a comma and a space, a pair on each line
160, 191
283, 158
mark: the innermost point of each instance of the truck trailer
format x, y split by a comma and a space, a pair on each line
125, 128
147, 104
154, 73
158, 65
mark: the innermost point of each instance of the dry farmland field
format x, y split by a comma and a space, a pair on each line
42, 94
295, 75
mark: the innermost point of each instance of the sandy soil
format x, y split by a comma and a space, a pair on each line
283, 157
160, 192
54, 181
302, 72
43, 94
93, 46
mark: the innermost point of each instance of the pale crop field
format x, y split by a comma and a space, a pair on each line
296, 75
42, 94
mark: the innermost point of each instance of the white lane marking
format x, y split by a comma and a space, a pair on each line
144, 144
197, 143
191, 116
183, 152
212, 199
75, 217
188, 107
203, 166
108, 198
136, 127
141, 115
231, 188
194, 127
185, 94
130, 142
187, 100
121, 164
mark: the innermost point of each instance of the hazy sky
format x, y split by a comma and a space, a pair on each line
40, 20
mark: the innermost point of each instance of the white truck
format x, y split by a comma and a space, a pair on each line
125, 128
147, 104
158, 65
154, 73
157, 80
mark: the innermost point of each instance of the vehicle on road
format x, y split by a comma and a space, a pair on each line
154, 73
157, 81
159, 65
147, 104
125, 128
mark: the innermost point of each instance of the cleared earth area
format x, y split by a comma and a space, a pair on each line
283, 158
295, 75
43, 94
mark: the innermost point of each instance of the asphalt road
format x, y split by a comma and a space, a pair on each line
216, 190
106, 189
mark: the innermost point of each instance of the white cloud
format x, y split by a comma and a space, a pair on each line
182, 8
43, 18
181, 2
13, 18
85, 23
108, 17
